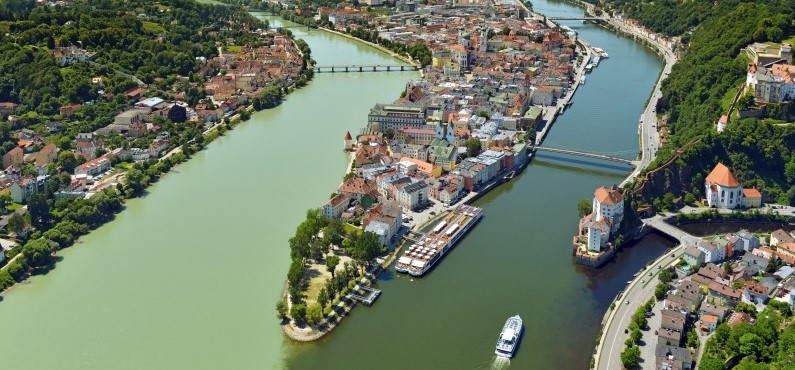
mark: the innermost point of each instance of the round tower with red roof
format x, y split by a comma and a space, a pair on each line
348, 141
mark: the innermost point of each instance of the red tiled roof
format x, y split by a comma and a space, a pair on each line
722, 176
608, 196
752, 193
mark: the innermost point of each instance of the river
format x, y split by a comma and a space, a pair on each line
187, 277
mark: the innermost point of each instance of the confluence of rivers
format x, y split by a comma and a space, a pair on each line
187, 277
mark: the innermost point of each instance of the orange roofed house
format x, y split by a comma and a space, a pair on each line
724, 191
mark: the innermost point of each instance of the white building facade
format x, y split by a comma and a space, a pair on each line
722, 189
609, 203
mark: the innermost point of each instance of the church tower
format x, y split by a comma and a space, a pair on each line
484, 37
445, 131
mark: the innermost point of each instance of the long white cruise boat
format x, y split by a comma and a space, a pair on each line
431, 247
509, 337
601, 53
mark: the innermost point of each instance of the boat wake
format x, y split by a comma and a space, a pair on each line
500, 363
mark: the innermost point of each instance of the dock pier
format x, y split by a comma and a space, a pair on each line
372, 294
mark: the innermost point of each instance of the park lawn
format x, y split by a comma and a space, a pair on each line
124, 166
233, 48
318, 274
379, 11
154, 27
13, 207
351, 229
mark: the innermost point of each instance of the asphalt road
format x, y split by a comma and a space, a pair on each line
637, 294
647, 129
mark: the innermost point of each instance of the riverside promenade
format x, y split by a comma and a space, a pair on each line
648, 136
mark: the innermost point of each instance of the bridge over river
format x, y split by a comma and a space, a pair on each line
574, 18
365, 68
581, 153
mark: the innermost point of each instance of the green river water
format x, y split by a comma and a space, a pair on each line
187, 277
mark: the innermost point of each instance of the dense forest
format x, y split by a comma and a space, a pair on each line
760, 151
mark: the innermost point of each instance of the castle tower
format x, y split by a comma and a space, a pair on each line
409, 88
723, 122
786, 53
348, 140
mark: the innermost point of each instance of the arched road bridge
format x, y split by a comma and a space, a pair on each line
584, 154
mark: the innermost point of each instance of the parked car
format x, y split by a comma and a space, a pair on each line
626, 302
649, 273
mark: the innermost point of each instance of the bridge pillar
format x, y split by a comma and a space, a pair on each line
374, 67
360, 68
401, 67
387, 68
346, 69
332, 69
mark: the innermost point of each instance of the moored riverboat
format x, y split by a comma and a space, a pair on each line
431, 247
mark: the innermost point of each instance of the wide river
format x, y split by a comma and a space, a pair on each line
187, 276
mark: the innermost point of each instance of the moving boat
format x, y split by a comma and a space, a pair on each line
509, 337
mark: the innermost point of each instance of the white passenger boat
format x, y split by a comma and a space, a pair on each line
509, 337
600, 52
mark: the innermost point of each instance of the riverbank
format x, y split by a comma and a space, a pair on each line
637, 291
522, 243
226, 202
391, 53
648, 136
295, 328
119, 182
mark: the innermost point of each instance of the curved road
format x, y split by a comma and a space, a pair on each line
611, 345
637, 294
647, 127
